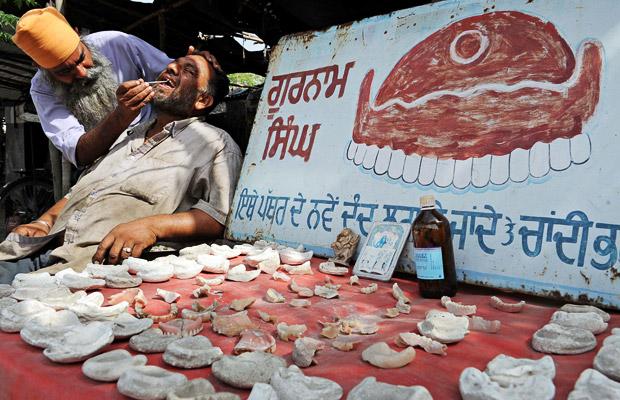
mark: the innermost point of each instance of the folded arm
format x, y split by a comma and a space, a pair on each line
142, 233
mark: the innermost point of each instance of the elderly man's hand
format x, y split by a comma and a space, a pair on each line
125, 240
31, 230
131, 97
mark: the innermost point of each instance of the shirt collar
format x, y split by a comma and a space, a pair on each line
173, 128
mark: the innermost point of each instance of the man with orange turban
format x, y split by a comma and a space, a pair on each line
74, 90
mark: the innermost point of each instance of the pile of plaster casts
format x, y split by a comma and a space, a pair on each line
70, 320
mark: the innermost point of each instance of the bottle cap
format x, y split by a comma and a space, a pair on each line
427, 201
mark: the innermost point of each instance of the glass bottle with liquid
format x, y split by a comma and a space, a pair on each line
433, 254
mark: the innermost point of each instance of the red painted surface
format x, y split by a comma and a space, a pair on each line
26, 374
505, 48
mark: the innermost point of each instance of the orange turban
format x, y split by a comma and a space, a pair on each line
46, 36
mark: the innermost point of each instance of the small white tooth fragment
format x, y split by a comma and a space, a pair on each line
345, 344
557, 339
330, 330
429, 345
482, 325
592, 385
397, 164
216, 264
519, 165
589, 320
202, 291
286, 332
369, 289
539, 159
462, 173
109, 366
370, 158
354, 280
481, 171
398, 294
445, 172
443, 327
428, 166
498, 304
280, 276
169, 297
304, 350
300, 303
149, 382
411, 168
383, 160
369, 388
300, 290
403, 307
325, 292
576, 308
303, 269
352, 150
476, 385
392, 312
559, 153
500, 169
331, 269
291, 384
457, 309
273, 296
218, 280
242, 304
382, 356
580, 148
359, 154
267, 318
509, 371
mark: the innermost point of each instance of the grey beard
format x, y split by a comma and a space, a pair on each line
90, 99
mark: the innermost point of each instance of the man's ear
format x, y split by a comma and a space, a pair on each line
203, 102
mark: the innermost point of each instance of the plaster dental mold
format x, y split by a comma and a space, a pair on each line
330, 268
101, 271
172, 313
291, 384
399, 295
233, 324
457, 309
294, 257
480, 324
476, 385
126, 325
301, 291
369, 289
6, 290
122, 281
214, 264
429, 345
345, 344
263, 391
556, 339
62, 302
167, 296
498, 304
134, 264
80, 342
243, 248
509, 371
592, 385
92, 312
48, 327
151, 341
225, 251
303, 269
218, 280
273, 296
13, 318
241, 274
325, 292
575, 308
41, 292
392, 313
78, 281
149, 382
192, 352
7, 302
304, 350
354, 280
247, 369
280, 276
156, 272
590, 321
192, 252
30, 280
403, 307
444, 327
242, 304
268, 261
287, 332
196, 389
181, 327
607, 360
300, 303
382, 356
184, 268
108, 367
330, 330
369, 388
255, 340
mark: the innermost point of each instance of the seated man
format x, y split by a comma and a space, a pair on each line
171, 179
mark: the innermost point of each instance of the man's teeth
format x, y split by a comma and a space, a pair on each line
478, 171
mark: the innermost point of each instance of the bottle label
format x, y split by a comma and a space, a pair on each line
428, 263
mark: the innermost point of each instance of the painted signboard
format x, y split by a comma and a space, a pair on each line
504, 110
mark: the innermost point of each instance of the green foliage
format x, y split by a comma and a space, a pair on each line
8, 21
246, 79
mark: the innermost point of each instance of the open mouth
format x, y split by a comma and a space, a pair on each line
487, 99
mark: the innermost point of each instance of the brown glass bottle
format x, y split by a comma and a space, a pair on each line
433, 254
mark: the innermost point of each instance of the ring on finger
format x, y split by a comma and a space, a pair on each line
127, 249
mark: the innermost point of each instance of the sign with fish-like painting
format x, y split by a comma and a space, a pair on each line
504, 110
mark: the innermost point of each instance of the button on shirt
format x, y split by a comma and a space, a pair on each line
189, 165
131, 58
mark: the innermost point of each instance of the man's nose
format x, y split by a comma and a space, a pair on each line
81, 72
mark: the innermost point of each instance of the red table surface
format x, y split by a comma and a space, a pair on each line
25, 373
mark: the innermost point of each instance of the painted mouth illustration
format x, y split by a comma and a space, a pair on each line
487, 99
